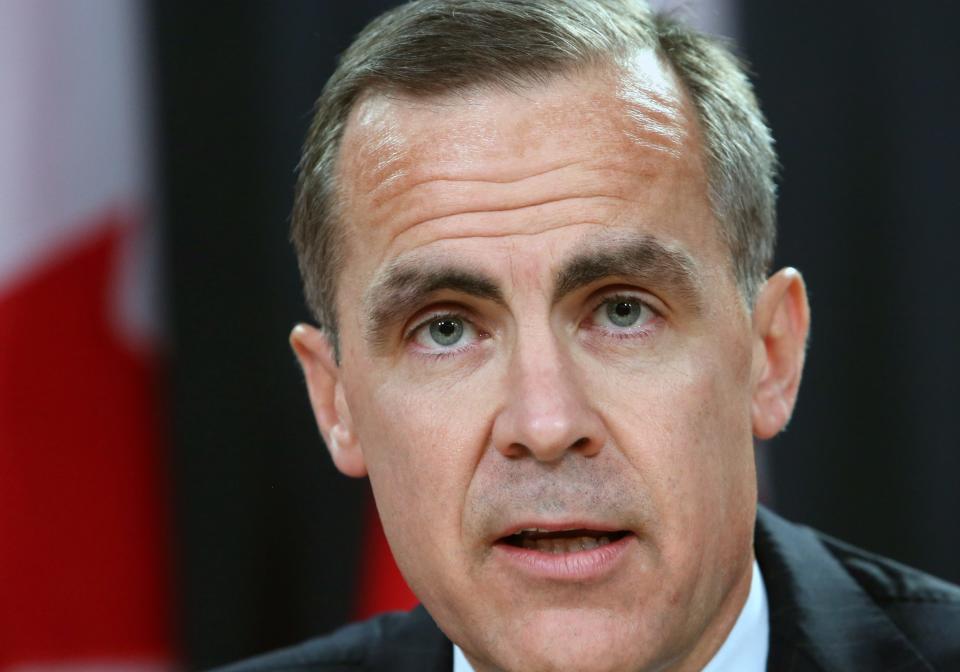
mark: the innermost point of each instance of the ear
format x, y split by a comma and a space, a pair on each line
325, 387
781, 321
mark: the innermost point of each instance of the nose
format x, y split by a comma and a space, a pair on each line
547, 413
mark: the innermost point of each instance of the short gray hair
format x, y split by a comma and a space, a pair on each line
429, 47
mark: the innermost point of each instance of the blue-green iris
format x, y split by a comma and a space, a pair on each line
446, 331
623, 313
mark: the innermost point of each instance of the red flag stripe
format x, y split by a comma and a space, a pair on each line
83, 555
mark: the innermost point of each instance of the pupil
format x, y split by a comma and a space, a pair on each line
447, 328
624, 309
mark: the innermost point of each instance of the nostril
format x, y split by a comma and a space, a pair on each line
582, 442
515, 450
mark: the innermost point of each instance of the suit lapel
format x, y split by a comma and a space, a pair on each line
820, 617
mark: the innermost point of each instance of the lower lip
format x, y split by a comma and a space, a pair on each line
578, 566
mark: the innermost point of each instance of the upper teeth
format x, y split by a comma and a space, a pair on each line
564, 545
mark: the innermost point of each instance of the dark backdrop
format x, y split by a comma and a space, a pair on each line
863, 100
268, 536
862, 97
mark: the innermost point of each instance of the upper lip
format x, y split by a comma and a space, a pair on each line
557, 526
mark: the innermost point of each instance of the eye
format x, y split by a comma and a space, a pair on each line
622, 313
444, 333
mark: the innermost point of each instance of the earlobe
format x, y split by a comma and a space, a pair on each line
330, 408
781, 321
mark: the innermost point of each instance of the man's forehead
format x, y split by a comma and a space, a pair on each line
611, 147
395, 140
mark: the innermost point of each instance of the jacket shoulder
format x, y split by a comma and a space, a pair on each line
397, 641
341, 650
834, 607
926, 609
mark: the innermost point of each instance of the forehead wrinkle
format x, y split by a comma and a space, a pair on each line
389, 167
404, 183
442, 177
656, 127
439, 184
466, 235
654, 102
440, 219
408, 281
671, 148
641, 256
374, 145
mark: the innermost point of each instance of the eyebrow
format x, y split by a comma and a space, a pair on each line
641, 258
407, 283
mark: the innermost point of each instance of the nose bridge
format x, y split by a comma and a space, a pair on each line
546, 412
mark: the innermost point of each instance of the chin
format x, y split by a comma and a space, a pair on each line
573, 641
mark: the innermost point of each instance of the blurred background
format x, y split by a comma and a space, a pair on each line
165, 500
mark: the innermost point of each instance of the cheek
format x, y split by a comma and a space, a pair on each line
403, 441
684, 424
422, 443
685, 430
420, 438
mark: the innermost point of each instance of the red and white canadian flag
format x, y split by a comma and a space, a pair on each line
83, 536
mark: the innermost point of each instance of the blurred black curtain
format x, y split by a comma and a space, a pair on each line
268, 533
862, 97
863, 100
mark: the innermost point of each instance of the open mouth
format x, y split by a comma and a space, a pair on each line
563, 541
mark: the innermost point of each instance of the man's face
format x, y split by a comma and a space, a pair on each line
547, 366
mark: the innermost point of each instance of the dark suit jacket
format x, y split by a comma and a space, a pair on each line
833, 607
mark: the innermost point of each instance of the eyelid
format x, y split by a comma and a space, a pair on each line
427, 315
608, 294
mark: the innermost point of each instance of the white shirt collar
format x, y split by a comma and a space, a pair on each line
745, 648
